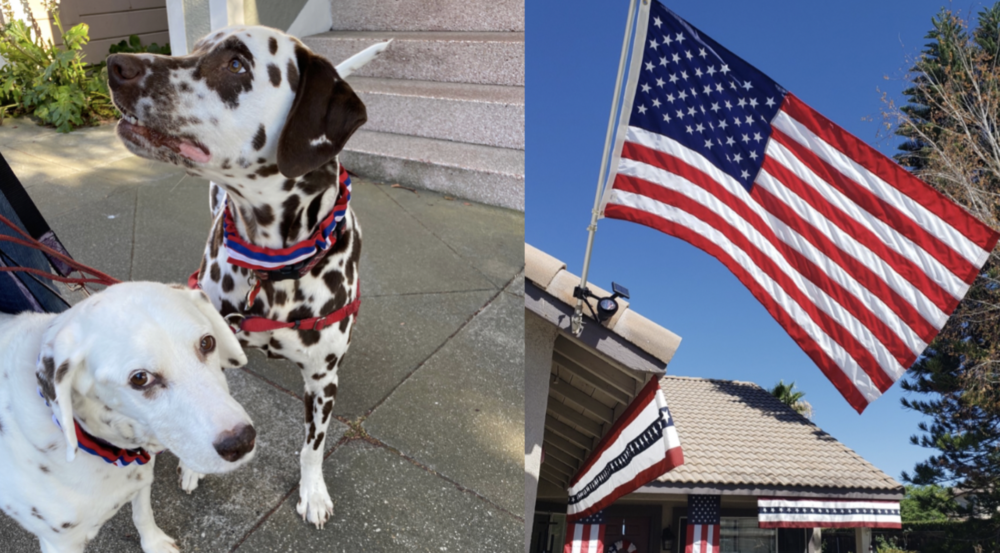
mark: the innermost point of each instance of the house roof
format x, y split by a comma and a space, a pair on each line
737, 434
550, 275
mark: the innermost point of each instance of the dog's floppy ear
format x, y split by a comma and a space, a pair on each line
230, 353
61, 358
325, 113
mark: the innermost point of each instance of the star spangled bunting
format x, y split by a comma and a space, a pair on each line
641, 445
858, 260
703, 524
776, 512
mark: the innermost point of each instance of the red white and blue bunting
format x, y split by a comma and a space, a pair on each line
773, 512
641, 445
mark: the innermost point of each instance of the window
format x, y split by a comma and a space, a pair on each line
739, 535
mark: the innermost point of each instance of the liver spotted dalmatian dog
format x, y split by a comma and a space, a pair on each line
261, 116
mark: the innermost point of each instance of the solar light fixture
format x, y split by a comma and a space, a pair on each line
606, 307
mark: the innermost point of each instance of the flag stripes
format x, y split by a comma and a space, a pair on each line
827, 513
866, 283
584, 538
702, 538
859, 261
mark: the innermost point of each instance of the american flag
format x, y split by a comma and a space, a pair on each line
585, 535
703, 524
858, 260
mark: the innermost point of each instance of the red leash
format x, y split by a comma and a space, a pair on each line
96, 277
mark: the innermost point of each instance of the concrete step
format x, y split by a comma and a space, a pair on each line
490, 115
420, 15
486, 174
454, 57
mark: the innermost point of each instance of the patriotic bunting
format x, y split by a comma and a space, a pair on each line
641, 445
827, 513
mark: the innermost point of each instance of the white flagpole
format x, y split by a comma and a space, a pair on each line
577, 320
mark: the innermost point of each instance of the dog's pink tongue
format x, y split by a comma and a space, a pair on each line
194, 153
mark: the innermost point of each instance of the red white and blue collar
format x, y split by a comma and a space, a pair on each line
110, 453
257, 258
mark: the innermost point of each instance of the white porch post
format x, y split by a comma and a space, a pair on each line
176, 27
862, 539
222, 13
815, 541
539, 340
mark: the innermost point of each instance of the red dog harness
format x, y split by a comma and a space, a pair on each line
285, 263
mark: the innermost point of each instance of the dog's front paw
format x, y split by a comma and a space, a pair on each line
159, 542
188, 478
315, 505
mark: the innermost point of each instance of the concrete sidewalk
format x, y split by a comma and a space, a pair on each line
429, 426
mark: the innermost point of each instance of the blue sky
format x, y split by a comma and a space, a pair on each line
835, 56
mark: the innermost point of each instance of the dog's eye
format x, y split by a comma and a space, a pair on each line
207, 344
236, 66
139, 379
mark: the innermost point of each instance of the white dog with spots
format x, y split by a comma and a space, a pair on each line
90, 395
261, 116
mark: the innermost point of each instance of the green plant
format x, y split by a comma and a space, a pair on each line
134, 46
50, 82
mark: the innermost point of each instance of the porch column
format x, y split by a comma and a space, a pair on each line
539, 339
815, 541
862, 539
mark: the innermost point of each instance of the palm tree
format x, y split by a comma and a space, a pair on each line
787, 394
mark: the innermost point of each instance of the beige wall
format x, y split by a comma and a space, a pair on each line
111, 21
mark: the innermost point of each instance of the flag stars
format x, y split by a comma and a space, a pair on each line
710, 70
689, 129
682, 95
737, 157
680, 37
708, 144
730, 141
691, 111
649, 66
700, 128
723, 124
725, 69
745, 139
684, 75
645, 88
702, 53
728, 105
745, 174
742, 103
749, 120
663, 61
666, 118
660, 82
680, 114
757, 137
697, 72
708, 89
675, 57
642, 109
667, 40
673, 78
753, 155
747, 85
653, 44
657, 22
770, 102
656, 103
715, 107
670, 98
718, 87
753, 102
688, 55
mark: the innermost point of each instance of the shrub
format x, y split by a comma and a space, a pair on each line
49, 82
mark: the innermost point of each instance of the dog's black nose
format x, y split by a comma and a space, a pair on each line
234, 444
123, 69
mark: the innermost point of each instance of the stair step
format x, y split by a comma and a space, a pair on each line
454, 57
486, 174
490, 115
420, 15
